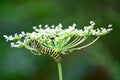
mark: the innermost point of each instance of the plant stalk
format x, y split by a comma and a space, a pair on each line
60, 71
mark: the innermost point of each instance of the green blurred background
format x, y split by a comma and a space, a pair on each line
101, 61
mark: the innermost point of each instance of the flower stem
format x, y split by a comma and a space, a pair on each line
60, 71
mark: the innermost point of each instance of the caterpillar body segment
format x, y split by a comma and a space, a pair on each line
44, 50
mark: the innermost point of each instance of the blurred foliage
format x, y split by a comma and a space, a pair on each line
100, 61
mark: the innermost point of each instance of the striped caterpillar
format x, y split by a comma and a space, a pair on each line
44, 50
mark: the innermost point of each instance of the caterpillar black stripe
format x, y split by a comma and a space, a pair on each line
44, 50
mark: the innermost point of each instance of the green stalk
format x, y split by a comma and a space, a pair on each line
73, 42
60, 71
86, 44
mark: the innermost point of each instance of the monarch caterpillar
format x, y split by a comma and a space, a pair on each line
44, 50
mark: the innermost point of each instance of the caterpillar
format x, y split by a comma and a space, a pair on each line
44, 50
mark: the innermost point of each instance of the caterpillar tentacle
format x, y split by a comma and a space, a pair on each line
44, 50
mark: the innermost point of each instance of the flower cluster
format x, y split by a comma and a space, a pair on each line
58, 39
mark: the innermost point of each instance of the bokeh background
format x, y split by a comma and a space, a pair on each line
101, 61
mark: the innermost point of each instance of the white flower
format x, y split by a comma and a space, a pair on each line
56, 38
8, 38
110, 26
5, 36
12, 44
53, 26
40, 26
92, 23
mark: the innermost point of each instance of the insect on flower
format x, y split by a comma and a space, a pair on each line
44, 50
54, 41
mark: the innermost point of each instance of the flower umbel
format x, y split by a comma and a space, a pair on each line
57, 39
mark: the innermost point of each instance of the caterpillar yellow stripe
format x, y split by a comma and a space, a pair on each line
44, 50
